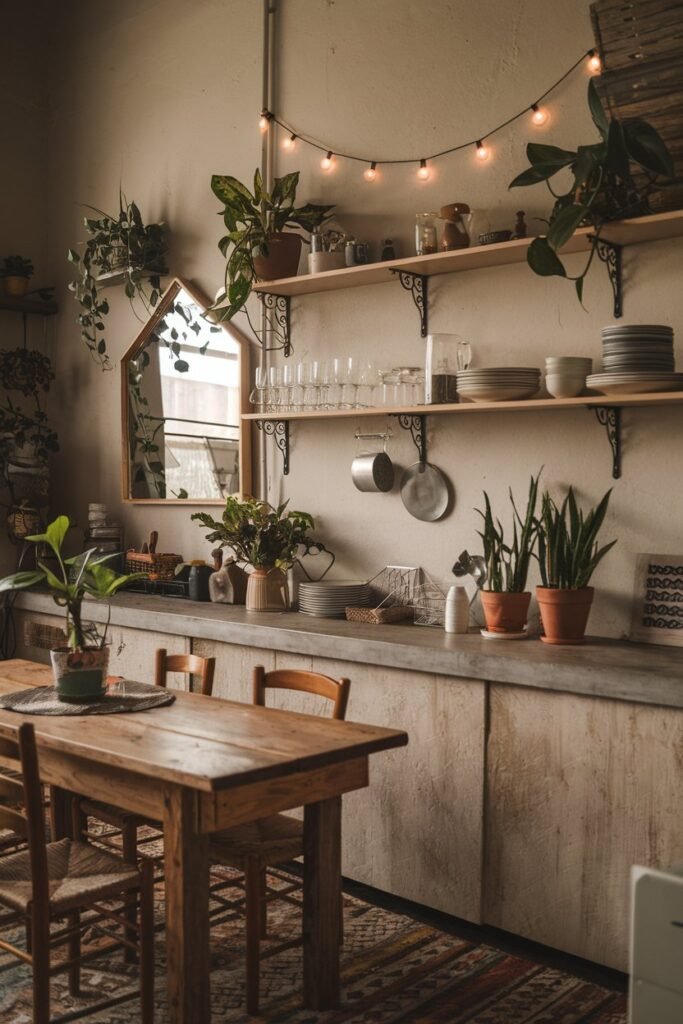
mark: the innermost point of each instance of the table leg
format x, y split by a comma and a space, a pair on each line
322, 882
186, 869
61, 824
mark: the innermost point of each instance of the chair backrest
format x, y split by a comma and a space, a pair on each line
190, 664
21, 804
335, 690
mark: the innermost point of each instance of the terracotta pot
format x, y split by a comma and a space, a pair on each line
15, 285
505, 613
282, 259
267, 591
80, 675
564, 614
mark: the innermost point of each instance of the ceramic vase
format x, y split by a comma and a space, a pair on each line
80, 675
267, 591
564, 614
504, 612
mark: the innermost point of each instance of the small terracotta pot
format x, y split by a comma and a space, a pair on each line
267, 591
15, 285
505, 613
282, 259
564, 614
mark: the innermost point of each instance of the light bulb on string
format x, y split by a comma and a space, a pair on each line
482, 150
539, 115
423, 171
290, 142
327, 161
264, 120
594, 62
370, 173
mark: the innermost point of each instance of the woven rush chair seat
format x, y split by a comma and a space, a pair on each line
269, 841
77, 873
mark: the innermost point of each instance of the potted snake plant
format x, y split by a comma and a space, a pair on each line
568, 555
505, 599
80, 665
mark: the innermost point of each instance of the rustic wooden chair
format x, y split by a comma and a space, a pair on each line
124, 823
253, 847
54, 881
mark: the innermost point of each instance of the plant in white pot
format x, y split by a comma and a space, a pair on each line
505, 599
268, 539
568, 555
80, 666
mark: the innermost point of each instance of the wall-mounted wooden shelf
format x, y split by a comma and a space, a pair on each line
651, 228
28, 305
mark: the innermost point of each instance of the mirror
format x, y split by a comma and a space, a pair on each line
184, 386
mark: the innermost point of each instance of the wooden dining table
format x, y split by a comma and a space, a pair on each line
199, 765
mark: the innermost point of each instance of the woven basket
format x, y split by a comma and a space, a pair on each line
157, 567
641, 46
379, 616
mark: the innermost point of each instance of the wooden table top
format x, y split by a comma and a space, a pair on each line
206, 743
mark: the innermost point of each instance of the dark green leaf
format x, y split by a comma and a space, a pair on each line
181, 366
540, 154
565, 224
597, 113
543, 260
617, 156
646, 146
534, 175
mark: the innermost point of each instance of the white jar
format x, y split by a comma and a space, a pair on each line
457, 617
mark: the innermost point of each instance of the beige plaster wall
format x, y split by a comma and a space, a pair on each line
157, 96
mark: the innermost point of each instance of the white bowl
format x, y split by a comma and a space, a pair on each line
564, 385
569, 364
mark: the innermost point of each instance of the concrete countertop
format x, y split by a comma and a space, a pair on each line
603, 668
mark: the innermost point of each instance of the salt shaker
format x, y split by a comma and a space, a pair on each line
457, 618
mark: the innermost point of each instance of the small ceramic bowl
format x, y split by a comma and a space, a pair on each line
564, 385
570, 365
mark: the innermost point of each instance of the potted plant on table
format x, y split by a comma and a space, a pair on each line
256, 223
80, 666
505, 599
610, 180
568, 555
16, 273
268, 539
123, 245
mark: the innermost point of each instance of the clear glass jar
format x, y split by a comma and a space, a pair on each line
441, 366
426, 233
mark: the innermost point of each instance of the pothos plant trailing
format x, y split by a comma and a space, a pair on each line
122, 244
612, 179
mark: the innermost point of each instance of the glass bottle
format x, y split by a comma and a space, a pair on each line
426, 233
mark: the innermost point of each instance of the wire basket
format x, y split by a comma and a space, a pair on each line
395, 585
157, 567
430, 603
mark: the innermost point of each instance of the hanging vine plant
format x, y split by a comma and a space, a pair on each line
122, 245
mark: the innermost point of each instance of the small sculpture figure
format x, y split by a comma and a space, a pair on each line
228, 583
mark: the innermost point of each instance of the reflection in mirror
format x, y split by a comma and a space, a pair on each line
182, 401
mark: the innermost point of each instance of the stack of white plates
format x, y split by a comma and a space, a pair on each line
329, 598
637, 359
499, 384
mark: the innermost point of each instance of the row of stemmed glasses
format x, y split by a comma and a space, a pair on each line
344, 382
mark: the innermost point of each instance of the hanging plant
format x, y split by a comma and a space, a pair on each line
612, 180
117, 245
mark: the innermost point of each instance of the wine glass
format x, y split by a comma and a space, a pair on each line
257, 396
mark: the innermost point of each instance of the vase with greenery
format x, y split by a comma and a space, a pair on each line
505, 599
611, 179
16, 273
80, 666
123, 245
259, 246
568, 555
268, 539
26, 438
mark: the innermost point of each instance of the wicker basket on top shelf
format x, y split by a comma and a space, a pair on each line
156, 566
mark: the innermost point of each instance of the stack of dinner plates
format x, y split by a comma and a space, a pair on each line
636, 359
329, 598
499, 384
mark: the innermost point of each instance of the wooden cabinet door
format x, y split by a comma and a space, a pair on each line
578, 789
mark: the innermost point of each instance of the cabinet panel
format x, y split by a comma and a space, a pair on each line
578, 790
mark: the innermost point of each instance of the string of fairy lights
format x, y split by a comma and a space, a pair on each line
482, 148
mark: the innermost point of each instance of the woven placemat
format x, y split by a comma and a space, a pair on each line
128, 696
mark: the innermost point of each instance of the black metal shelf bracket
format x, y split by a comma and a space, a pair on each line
418, 286
610, 253
610, 418
279, 429
279, 306
417, 425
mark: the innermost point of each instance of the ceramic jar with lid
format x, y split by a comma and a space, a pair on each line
454, 234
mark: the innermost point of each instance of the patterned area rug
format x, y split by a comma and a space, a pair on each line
394, 971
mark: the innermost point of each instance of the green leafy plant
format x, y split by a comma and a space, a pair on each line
251, 218
568, 551
507, 565
611, 179
259, 534
123, 244
84, 575
17, 266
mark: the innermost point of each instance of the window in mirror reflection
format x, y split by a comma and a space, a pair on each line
184, 396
